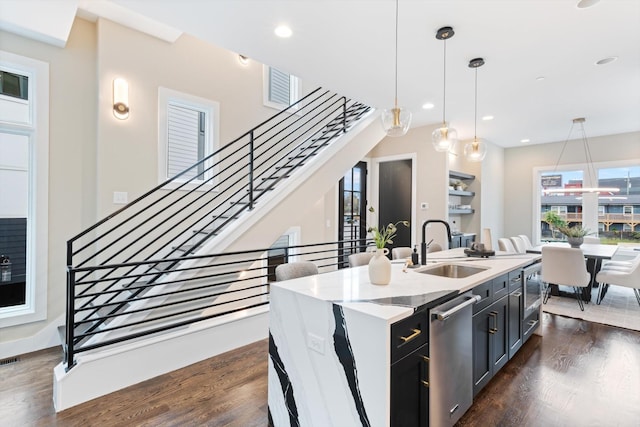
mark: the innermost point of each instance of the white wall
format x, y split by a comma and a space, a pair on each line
92, 154
72, 132
519, 209
432, 178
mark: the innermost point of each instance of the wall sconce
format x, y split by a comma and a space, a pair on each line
120, 98
244, 60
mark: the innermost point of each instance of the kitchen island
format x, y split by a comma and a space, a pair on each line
333, 338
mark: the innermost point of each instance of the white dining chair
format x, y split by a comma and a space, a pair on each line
618, 274
565, 267
360, 258
518, 244
401, 252
527, 242
505, 245
434, 247
293, 270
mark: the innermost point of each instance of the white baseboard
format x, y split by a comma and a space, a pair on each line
45, 338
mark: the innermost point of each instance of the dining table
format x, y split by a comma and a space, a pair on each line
594, 253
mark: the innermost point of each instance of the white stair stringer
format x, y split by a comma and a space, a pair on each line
271, 217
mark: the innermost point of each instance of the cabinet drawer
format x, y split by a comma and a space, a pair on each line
409, 334
515, 280
485, 291
500, 286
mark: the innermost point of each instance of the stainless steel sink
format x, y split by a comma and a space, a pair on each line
454, 271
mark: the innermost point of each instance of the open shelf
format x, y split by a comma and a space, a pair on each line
460, 175
461, 193
461, 211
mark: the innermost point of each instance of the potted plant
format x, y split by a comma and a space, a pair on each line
575, 235
380, 266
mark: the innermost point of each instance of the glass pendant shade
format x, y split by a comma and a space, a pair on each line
396, 121
444, 138
475, 151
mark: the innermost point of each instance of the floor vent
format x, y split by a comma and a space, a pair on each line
9, 361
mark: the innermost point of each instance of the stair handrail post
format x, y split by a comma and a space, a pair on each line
69, 335
251, 141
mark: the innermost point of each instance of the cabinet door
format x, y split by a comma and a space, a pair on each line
499, 310
481, 350
516, 312
410, 390
467, 241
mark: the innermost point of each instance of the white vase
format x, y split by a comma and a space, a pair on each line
380, 268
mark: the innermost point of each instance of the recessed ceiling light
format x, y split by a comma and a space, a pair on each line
583, 4
539, 79
524, 141
427, 106
486, 118
283, 31
608, 60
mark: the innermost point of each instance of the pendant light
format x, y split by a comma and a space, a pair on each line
590, 169
476, 150
445, 137
396, 121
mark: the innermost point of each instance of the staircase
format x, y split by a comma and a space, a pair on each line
183, 254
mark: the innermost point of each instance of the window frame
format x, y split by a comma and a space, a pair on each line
590, 202
211, 109
36, 128
295, 89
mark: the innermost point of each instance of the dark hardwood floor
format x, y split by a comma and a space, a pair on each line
578, 374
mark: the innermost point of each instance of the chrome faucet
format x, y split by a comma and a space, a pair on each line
423, 245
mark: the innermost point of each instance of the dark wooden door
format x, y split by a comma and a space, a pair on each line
394, 198
500, 341
481, 350
409, 394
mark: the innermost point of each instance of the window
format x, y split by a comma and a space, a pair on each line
281, 89
609, 213
24, 173
187, 133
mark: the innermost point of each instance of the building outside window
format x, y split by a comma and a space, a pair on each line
615, 215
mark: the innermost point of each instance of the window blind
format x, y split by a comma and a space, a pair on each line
279, 87
185, 140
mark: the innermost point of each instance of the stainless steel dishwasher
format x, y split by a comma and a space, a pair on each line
450, 360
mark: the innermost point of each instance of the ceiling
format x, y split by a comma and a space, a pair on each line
540, 56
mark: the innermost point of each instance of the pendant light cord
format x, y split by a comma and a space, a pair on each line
444, 82
396, 70
475, 113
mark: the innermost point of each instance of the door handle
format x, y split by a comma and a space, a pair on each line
493, 315
415, 333
425, 382
442, 315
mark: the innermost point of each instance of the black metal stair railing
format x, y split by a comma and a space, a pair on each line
226, 283
121, 257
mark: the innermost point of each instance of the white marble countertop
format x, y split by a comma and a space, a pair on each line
350, 287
